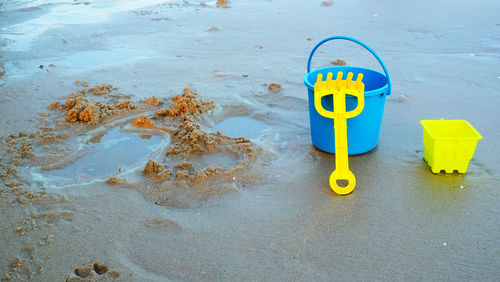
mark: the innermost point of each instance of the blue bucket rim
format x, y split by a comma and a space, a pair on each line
389, 82
373, 92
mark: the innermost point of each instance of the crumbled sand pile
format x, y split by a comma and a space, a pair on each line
274, 87
156, 169
190, 142
186, 144
185, 104
338, 62
152, 101
79, 108
143, 121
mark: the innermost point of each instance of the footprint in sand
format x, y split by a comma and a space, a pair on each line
94, 272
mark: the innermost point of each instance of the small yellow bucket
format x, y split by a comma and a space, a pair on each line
449, 144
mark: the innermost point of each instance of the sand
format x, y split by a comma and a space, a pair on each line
167, 155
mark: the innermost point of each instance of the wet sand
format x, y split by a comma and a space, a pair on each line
135, 181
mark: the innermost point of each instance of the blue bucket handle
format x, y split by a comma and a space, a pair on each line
355, 41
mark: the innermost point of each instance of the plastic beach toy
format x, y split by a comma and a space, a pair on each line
362, 130
449, 144
339, 89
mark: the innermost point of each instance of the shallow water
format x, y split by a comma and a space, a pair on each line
113, 151
6, 6
241, 126
90, 59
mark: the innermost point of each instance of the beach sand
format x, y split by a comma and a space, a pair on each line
170, 140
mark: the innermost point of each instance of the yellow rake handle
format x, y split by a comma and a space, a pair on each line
339, 89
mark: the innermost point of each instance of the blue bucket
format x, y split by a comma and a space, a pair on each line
362, 130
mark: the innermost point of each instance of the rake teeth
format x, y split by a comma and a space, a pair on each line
320, 77
360, 77
339, 76
335, 85
329, 77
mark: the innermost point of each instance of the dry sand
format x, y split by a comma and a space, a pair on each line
136, 144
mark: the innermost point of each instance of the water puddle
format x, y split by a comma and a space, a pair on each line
79, 61
109, 153
21, 36
241, 127
90, 59
207, 159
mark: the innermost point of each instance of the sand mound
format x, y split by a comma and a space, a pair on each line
187, 103
189, 143
196, 165
143, 121
79, 108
